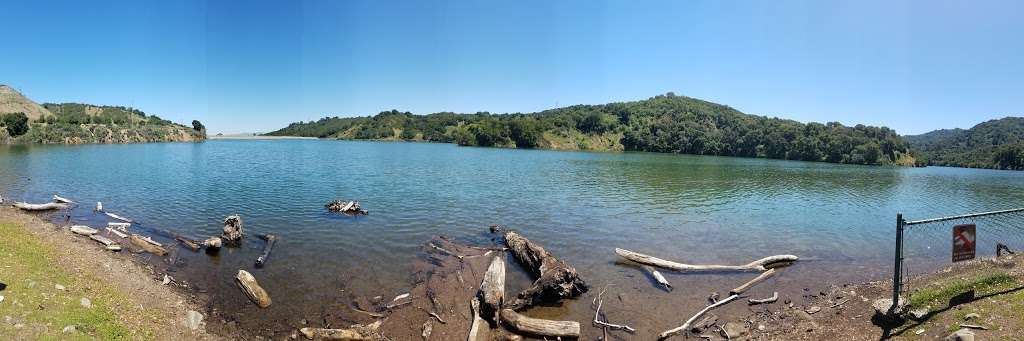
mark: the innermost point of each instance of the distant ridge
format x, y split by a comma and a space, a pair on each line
992, 144
12, 101
665, 123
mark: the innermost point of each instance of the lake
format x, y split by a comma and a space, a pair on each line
579, 205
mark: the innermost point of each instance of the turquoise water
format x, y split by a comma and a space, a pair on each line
578, 205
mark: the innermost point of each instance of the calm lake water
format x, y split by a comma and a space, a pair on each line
580, 206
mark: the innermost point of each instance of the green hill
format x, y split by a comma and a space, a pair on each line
664, 123
24, 121
995, 144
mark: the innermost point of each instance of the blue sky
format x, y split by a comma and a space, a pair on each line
243, 66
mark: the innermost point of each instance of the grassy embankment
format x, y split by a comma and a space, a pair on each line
42, 298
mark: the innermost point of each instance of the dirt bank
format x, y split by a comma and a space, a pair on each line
58, 285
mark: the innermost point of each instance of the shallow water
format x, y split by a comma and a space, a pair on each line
578, 205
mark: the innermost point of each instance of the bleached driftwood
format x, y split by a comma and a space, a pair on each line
212, 243
599, 301
83, 230
354, 333
252, 289
148, 240
147, 246
758, 265
99, 206
492, 289
40, 207
772, 299
540, 327
59, 199
118, 217
734, 295
474, 328
262, 259
555, 279
232, 230
120, 226
109, 244
657, 277
117, 233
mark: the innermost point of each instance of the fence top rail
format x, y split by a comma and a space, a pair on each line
962, 216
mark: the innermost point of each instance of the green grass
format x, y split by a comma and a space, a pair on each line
31, 272
941, 295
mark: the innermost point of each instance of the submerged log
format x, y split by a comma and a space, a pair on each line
262, 259
115, 216
555, 279
147, 246
59, 199
40, 207
354, 333
540, 327
657, 277
492, 289
232, 230
190, 244
252, 289
84, 230
758, 265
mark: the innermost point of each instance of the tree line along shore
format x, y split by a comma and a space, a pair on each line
678, 124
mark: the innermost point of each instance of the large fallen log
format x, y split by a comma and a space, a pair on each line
354, 333
539, 327
555, 279
734, 295
758, 265
40, 207
232, 230
252, 289
262, 259
492, 289
147, 246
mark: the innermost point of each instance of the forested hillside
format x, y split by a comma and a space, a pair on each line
665, 123
995, 144
24, 121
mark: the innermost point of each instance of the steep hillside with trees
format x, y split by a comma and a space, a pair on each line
665, 123
997, 144
24, 121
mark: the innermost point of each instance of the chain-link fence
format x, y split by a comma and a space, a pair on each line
924, 244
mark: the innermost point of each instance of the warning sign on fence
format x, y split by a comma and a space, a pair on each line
963, 242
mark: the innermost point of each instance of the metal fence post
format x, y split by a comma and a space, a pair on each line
897, 273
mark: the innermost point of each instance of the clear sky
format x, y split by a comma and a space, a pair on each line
244, 66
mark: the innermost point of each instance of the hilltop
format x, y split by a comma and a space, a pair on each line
664, 123
25, 121
995, 144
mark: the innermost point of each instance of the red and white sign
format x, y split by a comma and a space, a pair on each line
963, 242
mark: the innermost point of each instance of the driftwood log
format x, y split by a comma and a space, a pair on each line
492, 289
232, 230
555, 279
59, 199
118, 217
734, 295
755, 266
262, 259
40, 207
188, 243
348, 207
83, 230
109, 244
539, 327
117, 233
354, 333
252, 289
772, 299
147, 246
657, 277
474, 328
